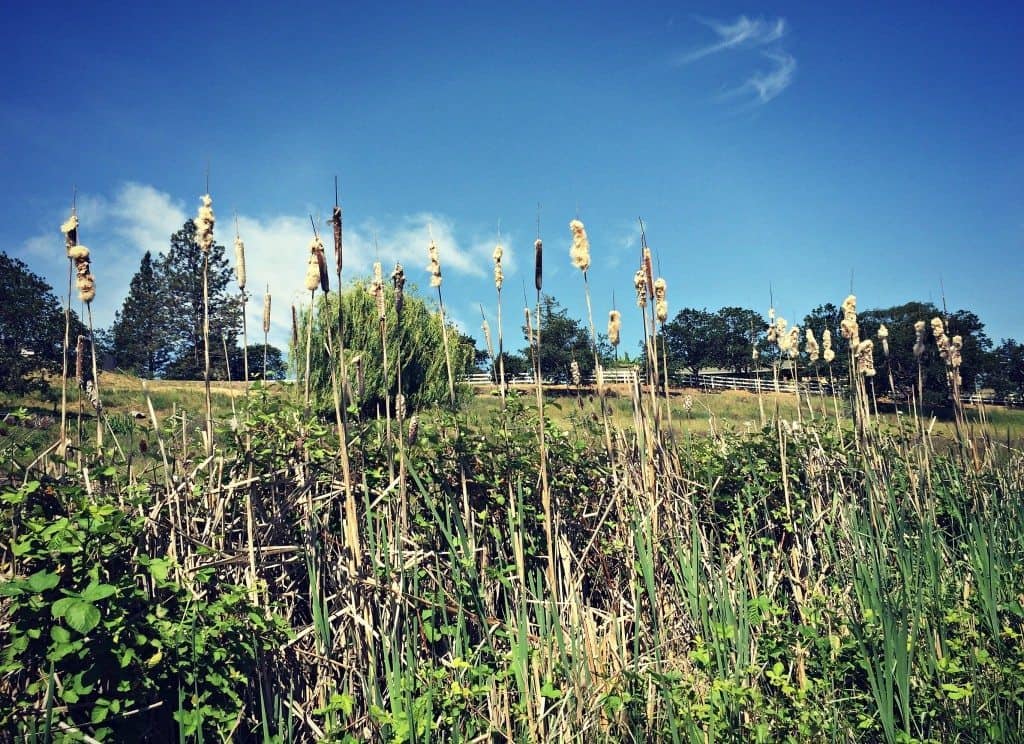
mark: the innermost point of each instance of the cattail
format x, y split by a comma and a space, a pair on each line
919, 327
614, 326
849, 327
487, 338
70, 230
811, 346
688, 403
771, 315
755, 354
400, 407
640, 284
317, 246
266, 313
648, 271
574, 370
580, 251
793, 346
377, 289
499, 275
295, 329
80, 361
84, 280
661, 300
398, 282
336, 224
531, 338
866, 358
240, 262
773, 335
883, 336
941, 340
435, 265
312, 273
826, 345
414, 429
360, 377
538, 263
956, 345
204, 224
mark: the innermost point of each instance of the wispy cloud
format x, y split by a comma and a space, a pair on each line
750, 33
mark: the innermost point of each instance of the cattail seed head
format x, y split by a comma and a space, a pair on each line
661, 300
336, 224
866, 358
84, 281
78, 252
793, 345
398, 282
883, 336
919, 329
530, 337
849, 327
499, 275
574, 370
204, 224
312, 273
487, 338
435, 265
648, 265
70, 230
240, 262
414, 429
755, 354
400, 407
538, 263
811, 346
266, 312
377, 289
614, 326
640, 284
771, 315
580, 251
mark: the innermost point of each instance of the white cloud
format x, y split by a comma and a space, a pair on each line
745, 32
741, 32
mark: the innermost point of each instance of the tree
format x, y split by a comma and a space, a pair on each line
737, 330
1006, 372
139, 334
277, 369
562, 340
691, 340
828, 317
415, 344
182, 270
31, 328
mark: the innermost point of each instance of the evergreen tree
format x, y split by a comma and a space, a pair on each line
31, 328
139, 334
182, 272
562, 339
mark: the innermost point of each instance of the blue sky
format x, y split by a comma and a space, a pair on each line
783, 145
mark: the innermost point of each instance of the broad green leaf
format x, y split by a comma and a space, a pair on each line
42, 580
82, 616
95, 592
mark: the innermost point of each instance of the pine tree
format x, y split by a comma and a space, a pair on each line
139, 334
182, 272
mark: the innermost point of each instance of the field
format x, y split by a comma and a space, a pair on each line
624, 573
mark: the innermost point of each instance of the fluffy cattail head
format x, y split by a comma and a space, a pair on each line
828, 355
755, 354
85, 282
640, 284
529, 326
435, 265
487, 338
204, 224
574, 370
240, 262
771, 315
919, 329
614, 326
866, 358
266, 311
78, 252
580, 251
70, 230
414, 430
499, 275
400, 407
811, 345
538, 263
793, 346
848, 326
312, 273
883, 336
661, 300
648, 265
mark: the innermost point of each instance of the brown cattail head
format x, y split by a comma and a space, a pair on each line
240, 262
661, 300
204, 224
580, 250
614, 326
80, 361
866, 358
529, 326
295, 329
434, 267
640, 284
336, 224
70, 230
266, 311
538, 263
398, 282
414, 429
648, 271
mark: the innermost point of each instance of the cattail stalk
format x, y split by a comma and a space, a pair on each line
70, 230
240, 274
205, 221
